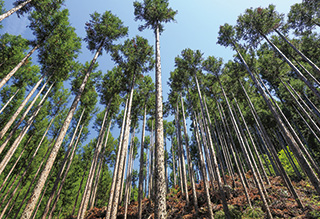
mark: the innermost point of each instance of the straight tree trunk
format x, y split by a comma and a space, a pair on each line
4, 106
191, 172
10, 12
286, 133
173, 164
183, 177
63, 165
299, 74
215, 162
45, 173
298, 51
54, 205
15, 69
20, 108
203, 168
122, 155
17, 141
160, 211
140, 190
116, 166
88, 188
95, 187
75, 203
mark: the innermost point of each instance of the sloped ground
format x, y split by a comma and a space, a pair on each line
282, 204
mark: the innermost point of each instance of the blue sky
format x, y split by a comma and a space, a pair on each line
196, 27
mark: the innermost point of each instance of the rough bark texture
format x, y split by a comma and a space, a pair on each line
11, 11
15, 69
27, 213
160, 202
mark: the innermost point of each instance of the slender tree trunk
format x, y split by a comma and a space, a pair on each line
173, 164
75, 203
40, 200
45, 173
116, 166
181, 155
95, 187
298, 51
314, 108
63, 165
17, 141
128, 178
256, 178
20, 108
215, 162
65, 175
299, 74
122, 155
140, 190
160, 188
15, 69
191, 172
10, 12
286, 132
252, 142
88, 188
203, 168
4, 106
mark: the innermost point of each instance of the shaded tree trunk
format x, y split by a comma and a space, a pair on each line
5, 105
10, 12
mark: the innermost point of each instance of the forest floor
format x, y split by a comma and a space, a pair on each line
282, 204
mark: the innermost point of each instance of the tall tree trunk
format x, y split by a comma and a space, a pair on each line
286, 133
63, 165
116, 166
15, 69
298, 51
252, 142
215, 162
25, 129
202, 167
45, 173
140, 190
10, 12
5, 105
20, 108
160, 186
95, 187
65, 175
173, 164
97, 152
128, 178
122, 154
191, 172
183, 177
299, 74
75, 203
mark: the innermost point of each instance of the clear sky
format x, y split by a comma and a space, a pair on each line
196, 27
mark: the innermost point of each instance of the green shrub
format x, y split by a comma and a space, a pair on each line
253, 213
234, 213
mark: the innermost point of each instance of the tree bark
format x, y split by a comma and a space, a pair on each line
116, 166
15, 69
122, 154
160, 188
10, 12
191, 172
45, 173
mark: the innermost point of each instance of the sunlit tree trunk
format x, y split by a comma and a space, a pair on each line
45, 173
15, 69
116, 166
10, 12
